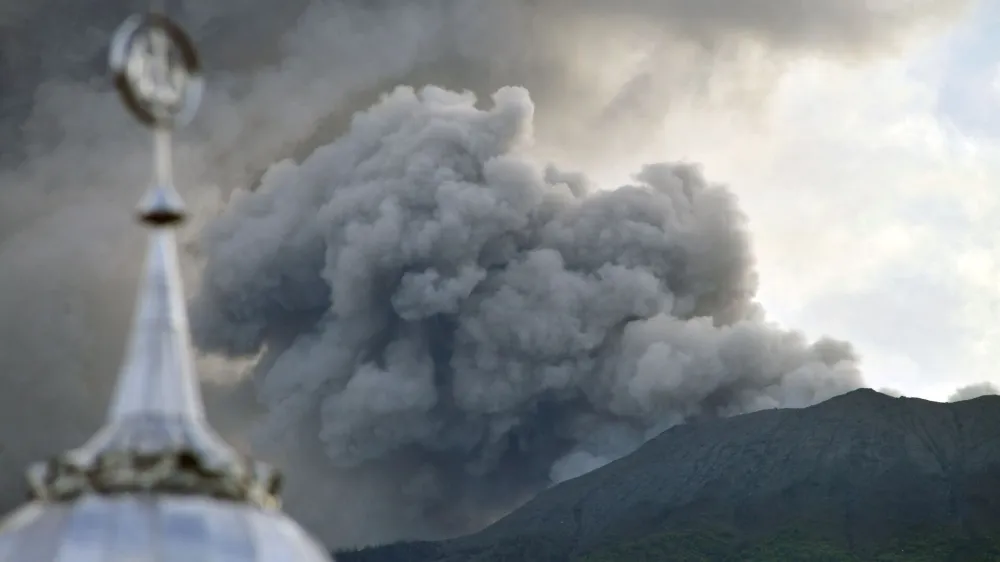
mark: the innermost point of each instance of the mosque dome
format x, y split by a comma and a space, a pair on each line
153, 528
156, 483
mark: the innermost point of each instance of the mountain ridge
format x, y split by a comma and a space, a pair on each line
860, 471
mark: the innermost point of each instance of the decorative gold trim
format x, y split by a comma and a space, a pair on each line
182, 472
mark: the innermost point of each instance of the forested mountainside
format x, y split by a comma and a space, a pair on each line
860, 477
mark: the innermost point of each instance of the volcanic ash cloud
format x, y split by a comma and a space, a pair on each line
429, 305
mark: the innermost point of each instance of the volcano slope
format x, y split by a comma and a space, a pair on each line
860, 477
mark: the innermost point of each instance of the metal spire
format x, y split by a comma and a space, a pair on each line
156, 438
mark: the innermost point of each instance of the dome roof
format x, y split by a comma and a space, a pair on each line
153, 529
156, 483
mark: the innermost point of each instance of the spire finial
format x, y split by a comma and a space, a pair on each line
156, 438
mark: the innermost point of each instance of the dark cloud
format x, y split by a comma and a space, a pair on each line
974, 391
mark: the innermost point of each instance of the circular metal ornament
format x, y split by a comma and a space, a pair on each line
156, 70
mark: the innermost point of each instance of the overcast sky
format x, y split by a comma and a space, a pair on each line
873, 193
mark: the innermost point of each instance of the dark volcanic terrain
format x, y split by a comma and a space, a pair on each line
863, 476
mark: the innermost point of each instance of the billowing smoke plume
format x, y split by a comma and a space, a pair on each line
430, 303
285, 78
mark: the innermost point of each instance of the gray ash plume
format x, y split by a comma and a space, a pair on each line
428, 302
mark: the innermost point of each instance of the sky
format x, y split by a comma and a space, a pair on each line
898, 161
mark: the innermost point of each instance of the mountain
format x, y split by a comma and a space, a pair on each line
860, 477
